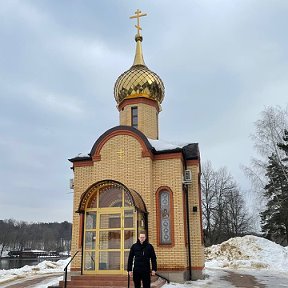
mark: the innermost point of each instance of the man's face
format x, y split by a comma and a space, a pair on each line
142, 238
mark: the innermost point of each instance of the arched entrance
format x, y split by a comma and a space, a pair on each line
113, 214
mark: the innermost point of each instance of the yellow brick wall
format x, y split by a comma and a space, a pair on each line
195, 219
121, 160
82, 180
169, 173
147, 119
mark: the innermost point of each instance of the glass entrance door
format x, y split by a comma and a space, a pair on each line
109, 242
112, 213
109, 234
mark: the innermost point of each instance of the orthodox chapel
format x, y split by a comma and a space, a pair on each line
133, 182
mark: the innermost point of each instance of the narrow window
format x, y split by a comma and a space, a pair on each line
134, 117
165, 217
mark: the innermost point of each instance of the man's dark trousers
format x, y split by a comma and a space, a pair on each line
144, 276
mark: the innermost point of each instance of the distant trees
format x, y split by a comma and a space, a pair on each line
269, 131
19, 235
269, 172
7, 232
274, 218
224, 211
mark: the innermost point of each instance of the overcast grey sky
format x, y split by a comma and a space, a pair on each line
222, 62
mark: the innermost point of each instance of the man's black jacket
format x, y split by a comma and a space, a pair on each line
142, 253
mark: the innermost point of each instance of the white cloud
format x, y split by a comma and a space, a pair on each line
22, 12
68, 105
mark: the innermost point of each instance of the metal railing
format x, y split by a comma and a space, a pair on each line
128, 280
166, 279
66, 268
66, 271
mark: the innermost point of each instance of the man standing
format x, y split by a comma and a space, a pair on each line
142, 252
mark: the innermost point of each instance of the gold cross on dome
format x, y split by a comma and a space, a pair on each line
138, 15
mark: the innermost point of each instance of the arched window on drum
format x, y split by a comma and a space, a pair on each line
165, 214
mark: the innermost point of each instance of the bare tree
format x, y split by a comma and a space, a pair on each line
236, 214
209, 199
223, 206
269, 130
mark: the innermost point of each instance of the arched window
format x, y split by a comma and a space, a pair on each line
165, 214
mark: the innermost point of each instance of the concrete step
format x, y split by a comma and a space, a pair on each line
106, 281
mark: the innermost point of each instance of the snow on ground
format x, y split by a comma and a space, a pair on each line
212, 279
27, 272
248, 252
245, 254
251, 255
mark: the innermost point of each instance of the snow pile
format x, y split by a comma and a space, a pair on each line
247, 252
45, 267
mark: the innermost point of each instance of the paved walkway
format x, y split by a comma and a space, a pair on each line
242, 280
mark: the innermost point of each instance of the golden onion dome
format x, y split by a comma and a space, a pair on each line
139, 81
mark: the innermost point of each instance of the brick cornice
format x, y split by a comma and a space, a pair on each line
197, 267
75, 269
193, 162
142, 100
83, 163
166, 156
